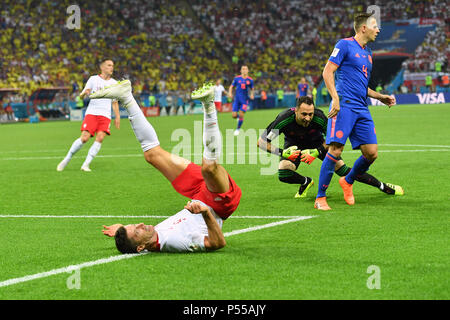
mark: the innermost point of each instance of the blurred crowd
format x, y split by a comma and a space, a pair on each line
173, 46
434, 49
155, 44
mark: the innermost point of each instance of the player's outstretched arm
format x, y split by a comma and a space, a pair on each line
267, 146
215, 239
115, 106
291, 153
384, 98
230, 92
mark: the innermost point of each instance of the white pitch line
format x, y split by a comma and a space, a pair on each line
137, 149
195, 155
59, 150
128, 256
30, 216
134, 155
395, 151
268, 225
66, 269
413, 145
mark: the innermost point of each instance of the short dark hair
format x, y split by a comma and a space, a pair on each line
123, 243
360, 18
105, 59
304, 99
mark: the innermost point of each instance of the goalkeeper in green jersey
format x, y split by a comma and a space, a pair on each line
304, 128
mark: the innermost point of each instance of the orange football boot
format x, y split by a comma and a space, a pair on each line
321, 204
348, 191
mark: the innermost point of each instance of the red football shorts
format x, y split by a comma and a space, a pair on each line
218, 105
190, 183
93, 124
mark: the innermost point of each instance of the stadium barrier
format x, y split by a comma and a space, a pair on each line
20, 110
440, 96
150, 111
417, 98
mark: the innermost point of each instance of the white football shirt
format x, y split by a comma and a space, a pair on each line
218, 93
184, 232
99, 107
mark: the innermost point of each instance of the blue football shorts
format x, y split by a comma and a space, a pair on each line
240, 104
355, 124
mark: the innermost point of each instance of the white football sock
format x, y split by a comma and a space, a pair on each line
144, 131
93, 150
76, 146
212, 139
209, 106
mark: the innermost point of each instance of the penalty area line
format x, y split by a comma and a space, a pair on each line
88, 264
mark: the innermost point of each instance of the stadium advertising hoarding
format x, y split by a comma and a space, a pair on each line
401, 36
417, 98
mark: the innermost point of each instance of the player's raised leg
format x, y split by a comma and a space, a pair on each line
168, 164
215, 176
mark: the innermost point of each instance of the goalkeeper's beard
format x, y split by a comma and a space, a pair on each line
305, 124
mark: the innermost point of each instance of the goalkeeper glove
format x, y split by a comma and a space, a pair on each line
309, 155
291, 153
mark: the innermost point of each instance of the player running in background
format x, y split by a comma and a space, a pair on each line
215, 195
349, 115
218, 92
302, 88
97, 120
244, 90
304, 128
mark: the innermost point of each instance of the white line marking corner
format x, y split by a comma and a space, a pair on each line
129, 256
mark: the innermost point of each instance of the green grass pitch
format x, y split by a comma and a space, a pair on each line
325, 257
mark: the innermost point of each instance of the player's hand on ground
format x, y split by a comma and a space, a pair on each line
291, 153
388, 100
309, 155
111, 230
117, 123
335, 107
196, 207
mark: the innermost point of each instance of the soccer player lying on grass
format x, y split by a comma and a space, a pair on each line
215, 195
304, 128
